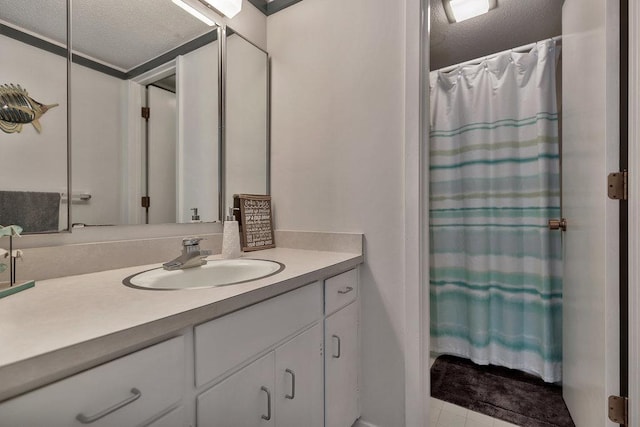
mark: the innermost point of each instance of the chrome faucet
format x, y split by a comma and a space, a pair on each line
192, 255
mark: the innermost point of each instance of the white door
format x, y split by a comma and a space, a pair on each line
590, 112
162, 156
300, 381
245, 399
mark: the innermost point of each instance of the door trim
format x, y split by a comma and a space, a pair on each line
624, 205
634, 214
416, 297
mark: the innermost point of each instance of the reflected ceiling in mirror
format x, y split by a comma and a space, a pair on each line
122, 34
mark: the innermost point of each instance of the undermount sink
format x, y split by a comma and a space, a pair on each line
222, 272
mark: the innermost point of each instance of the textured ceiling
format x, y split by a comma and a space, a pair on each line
513, 23
120, 33
127, 33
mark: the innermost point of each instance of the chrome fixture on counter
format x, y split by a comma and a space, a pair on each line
192, 255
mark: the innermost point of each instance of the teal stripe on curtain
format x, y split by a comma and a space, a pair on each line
495, 268
514, 123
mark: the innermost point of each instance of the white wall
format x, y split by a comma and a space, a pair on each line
251, 23
337, 160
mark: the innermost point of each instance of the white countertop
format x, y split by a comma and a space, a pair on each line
66, 325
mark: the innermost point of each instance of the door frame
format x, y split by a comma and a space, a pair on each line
416, 182
416, 300
634, 214
133, 147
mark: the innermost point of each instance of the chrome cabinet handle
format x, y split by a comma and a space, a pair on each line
345, 290
84, 419
339, 352
293, 385
268, 416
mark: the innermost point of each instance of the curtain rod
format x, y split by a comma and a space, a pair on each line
493, 55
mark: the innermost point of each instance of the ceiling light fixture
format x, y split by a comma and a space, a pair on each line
197, 9
460, 10
228, 8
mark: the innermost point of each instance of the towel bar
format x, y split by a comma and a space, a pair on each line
75, 197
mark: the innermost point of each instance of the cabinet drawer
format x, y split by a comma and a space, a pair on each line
340, 290
226, 342
127, 391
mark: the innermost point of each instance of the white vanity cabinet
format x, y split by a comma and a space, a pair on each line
245, 399
300, 380
288, 361
284, 388
342, 350
281, 388
128, 391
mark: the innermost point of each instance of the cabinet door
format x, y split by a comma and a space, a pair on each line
245, 399
341, 367
228, 341
175, 418
299, 381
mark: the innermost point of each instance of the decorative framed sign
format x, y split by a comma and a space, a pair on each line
255, 221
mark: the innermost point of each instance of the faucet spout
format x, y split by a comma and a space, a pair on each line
192, 255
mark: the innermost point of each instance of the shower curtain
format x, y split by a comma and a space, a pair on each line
496, 272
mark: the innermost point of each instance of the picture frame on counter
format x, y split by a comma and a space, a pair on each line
254, 215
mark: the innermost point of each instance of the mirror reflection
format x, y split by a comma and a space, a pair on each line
149, 154
33, 142
246, 136
126, 169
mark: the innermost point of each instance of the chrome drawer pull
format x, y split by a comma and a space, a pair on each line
293, 385
345, 290
268, 416
135, 395
339, 351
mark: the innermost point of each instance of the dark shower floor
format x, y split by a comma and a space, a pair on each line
501, 393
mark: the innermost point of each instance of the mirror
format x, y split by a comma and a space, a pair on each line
33, 139
247, 134
126, 56
150, 166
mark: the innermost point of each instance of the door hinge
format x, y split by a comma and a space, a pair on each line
146, 113
617, 186
619, 410
146, 201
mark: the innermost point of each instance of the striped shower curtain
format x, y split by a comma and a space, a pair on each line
496, 272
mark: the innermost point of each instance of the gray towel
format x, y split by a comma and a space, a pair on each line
34, 211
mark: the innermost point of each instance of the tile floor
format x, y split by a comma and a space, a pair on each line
445, 414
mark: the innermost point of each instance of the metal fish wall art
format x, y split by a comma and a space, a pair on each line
18, 108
